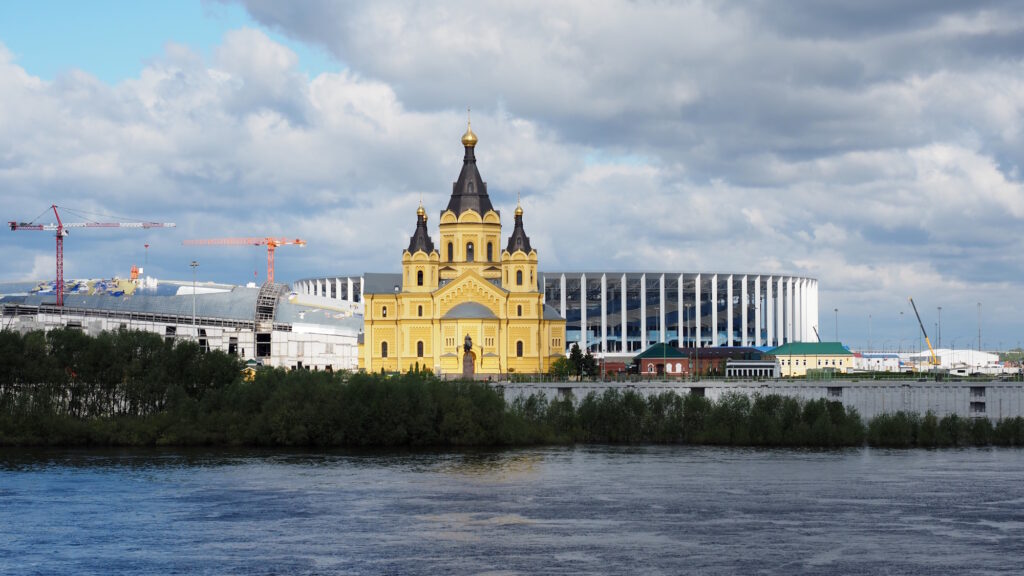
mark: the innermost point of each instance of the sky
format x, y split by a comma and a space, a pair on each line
873, 145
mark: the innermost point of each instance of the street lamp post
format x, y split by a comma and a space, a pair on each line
869, 332
194, 265
836, 310
939, 328
979, 326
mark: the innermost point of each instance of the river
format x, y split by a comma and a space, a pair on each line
562, 510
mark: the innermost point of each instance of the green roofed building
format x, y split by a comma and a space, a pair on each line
661, 359
796, 358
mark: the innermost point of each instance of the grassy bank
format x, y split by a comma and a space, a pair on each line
135, 389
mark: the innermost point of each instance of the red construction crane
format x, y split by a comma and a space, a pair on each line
61, 228
270, 243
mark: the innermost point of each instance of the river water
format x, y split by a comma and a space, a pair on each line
620, 510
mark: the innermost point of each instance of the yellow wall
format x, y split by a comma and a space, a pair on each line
798, 365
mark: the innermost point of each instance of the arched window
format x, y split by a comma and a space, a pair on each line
519, 310
490, 252
519, 277
419, 277
519, 349
679, 367
451, 251
383, 349
419, 310
469, 252
384, 311
419, 349
650, 368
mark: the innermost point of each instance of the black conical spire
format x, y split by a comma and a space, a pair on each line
470, 191
420, 239
518, 240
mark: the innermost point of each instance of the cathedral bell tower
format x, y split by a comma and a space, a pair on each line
470, 226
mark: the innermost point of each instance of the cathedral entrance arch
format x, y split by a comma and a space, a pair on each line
468, 364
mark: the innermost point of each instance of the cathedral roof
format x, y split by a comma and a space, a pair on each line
469, 192
420, 239
469, 310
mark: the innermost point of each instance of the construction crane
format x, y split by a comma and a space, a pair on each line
932, 359
61, 229
270, 243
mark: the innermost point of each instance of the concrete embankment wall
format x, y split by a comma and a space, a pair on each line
993, 399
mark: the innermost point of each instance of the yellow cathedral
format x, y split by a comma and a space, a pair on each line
471, 309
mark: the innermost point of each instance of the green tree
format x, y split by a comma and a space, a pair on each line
576, 359
588, 365
561, 368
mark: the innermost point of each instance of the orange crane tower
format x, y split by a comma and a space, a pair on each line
269, 242
61, 229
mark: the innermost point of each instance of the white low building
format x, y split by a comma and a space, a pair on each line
251, 323
877, 362
961, 361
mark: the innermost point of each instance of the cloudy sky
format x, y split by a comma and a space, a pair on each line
876, 146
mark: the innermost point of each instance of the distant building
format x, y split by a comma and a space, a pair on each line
796, 358
877, 362
662, 360
258, 324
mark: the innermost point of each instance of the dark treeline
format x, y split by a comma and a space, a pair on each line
133, 388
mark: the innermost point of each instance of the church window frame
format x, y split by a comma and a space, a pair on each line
419, 349
451, 251
519, 348
519, 310
469, 252
383, 311
383, 349
490, 252
519, 277
419, 277
419, 310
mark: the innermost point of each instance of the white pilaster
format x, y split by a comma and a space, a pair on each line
562, 293
661, 309
729, 312
697, 315
680, 310
714, 309
583, 313
790, 303
604, 313
623, 319
744, 307
349, 294
769, 317
757, 311
643, 312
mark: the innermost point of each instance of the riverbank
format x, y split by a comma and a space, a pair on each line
135, 389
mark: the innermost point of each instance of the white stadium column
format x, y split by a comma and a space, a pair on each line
623, 319
680, 309
714, 309
769, 317
744, 307
604, 313
757, 310
562, 292
729, 312
696, 306
790, 303
337, 288
643, 312
583, 313
780, 312
348, 293
362, 289
661, 309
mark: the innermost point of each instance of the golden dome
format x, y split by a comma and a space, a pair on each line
421, 212
469, 139
519, 210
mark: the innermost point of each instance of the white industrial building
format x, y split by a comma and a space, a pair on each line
268, 324
961, 362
